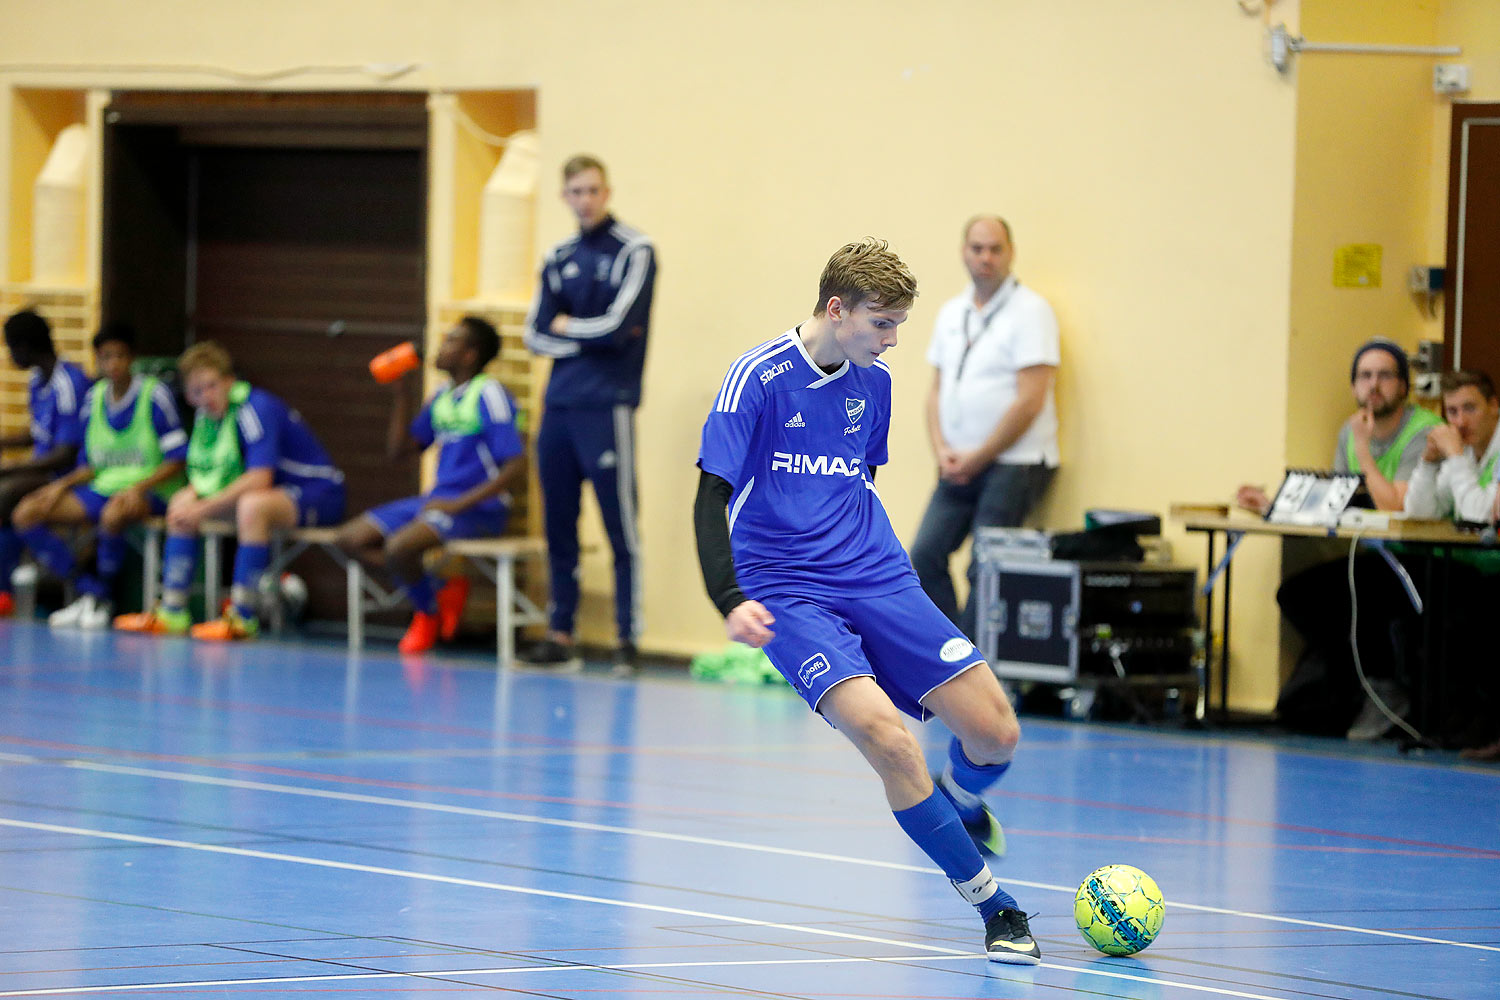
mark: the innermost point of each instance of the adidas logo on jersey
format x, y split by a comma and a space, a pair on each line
796, 421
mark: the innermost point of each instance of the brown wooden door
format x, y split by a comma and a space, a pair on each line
1472, 320
305, 263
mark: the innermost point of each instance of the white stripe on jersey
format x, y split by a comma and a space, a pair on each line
493, 397
733, 392
882, 365
744, 495
62, 390
249, 422
162, 397
748, 358
173, 439
639, 258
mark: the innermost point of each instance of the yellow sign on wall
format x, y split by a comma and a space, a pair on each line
1357, 265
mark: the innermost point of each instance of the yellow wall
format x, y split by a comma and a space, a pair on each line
1143, 152
1364, 175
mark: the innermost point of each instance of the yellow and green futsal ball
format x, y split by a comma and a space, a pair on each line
1119, 909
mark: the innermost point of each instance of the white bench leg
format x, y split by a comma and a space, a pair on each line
355, 590
505, 604
151, 569
212, 575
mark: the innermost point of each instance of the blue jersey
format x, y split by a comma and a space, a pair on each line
165, 420
797, 443
275, 437
603, 279
57, 412
466, 460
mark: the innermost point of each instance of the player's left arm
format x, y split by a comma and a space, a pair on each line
628, 312
745, 620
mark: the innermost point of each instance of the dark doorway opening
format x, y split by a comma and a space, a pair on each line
291, 228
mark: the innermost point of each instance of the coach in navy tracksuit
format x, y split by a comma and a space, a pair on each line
591, 315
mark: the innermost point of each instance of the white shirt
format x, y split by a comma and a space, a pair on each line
978, 352
1450, 488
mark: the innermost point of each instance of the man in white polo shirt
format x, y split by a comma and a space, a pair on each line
990, 411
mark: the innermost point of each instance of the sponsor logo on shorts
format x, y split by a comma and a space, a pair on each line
955, 649
812, 668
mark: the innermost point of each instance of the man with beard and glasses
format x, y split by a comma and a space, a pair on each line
1383, 441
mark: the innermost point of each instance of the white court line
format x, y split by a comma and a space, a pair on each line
204, 779
621, 967
937, 950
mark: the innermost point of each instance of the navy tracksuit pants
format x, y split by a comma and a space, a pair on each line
597, 444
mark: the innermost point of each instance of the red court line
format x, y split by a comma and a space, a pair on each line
407, 786
1258, 823
488, 735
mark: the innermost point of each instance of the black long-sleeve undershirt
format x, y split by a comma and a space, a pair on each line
715, 558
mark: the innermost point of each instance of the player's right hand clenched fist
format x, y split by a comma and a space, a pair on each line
750, 623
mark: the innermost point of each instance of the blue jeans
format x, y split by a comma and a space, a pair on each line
999, 498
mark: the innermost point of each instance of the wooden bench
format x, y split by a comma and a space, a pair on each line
496, 558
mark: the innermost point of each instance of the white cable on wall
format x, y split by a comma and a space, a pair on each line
384, 72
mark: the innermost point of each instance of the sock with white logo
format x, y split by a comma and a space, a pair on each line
964, 782
935, 828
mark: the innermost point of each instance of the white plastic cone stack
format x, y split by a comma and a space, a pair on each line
57, 236
507, 220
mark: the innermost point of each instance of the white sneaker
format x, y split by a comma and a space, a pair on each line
97, 618
87, 612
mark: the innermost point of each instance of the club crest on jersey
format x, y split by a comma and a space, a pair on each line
812, 668
814, 465
854, 409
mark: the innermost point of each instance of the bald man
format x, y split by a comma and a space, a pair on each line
990, 412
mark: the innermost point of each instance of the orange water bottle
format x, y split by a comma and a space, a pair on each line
388, 366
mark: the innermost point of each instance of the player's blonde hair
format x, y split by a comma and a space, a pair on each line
866, 271
205, 354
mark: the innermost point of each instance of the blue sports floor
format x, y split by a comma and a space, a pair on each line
278, 819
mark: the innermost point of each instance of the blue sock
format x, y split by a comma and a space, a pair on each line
109, 557
935, 828
179, 562
964, 782
10, 556
250, 563
423, 595
52, 552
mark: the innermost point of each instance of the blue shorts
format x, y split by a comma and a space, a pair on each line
317, 502
93, 502
484, 520
902, 640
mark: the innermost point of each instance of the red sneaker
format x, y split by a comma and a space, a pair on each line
421, 635
7, 603
450, 605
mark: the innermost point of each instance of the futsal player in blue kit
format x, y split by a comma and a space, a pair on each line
249, 457
799, 556
472, 421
